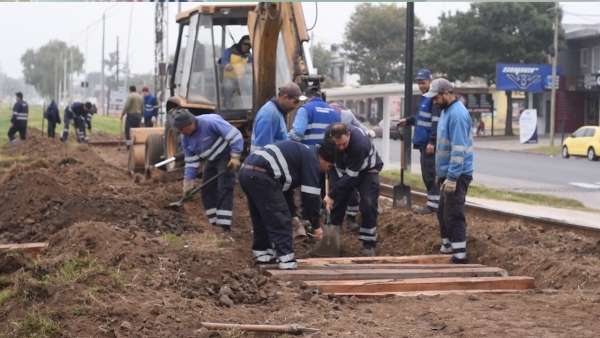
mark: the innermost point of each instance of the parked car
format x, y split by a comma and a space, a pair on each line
394, 134
583, 142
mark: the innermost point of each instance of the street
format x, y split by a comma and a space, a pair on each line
575, 178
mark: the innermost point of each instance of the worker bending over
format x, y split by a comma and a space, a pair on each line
268, 178
210, 138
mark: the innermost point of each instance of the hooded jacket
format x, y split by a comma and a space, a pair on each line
237, 59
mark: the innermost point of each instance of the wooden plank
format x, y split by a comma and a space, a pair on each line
423, 259
313, 275
423, 284
380, 295
264, 267
33, 249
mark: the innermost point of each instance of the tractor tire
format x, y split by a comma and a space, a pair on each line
172, 144
154, 151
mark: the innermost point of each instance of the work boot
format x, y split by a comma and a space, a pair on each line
425, 211
446, 249
369, 252
455, 260
351, 223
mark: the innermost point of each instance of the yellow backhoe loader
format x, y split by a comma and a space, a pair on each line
198, 81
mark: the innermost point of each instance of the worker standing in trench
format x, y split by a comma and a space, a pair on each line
210, 138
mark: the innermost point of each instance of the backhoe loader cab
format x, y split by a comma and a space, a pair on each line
207, 78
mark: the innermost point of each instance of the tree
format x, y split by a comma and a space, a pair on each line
321, 58
39, 66
375, 40
470, 44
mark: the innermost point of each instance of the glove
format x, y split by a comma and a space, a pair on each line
153, 119
371, 134
448, 187
234, 163
142, 121
188, 185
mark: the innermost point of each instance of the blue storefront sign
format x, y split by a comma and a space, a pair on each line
525, 77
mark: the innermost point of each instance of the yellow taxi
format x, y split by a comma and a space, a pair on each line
585, 141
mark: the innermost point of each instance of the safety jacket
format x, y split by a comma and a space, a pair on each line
311, 120
150, 107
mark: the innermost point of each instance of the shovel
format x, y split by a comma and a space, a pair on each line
402, 192
194, 191
329, 245
176, 157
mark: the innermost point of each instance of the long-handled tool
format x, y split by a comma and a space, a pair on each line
177, 157
194, 191
402, 191
120, 133
329, 245
291, 328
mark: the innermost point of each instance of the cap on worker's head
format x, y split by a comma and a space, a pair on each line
424, 74
183, 118
312, 91
88, 105
438, 86
337, 107
19, 95
145, 89
292, 90
327, 150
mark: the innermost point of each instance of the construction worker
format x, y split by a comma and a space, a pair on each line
210, 138
18, 121
150, 108
357, 167
454, 168
237, 63
75, 114
134, 107
424, 140
268, 178
83, 117
347, 117
53, 116
269, 123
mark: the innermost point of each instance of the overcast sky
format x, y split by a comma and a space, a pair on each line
31, 25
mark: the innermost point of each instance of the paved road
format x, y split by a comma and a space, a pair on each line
575, 178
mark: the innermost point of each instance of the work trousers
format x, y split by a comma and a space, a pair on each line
51, 128
271, 219
148, 122
131, 121
428, 174
80, 128
351, 210
451, 218
18, 127
368, 188
217, 196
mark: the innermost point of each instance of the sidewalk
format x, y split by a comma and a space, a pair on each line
511, 143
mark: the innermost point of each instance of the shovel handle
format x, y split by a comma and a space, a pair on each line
195, 190
402, 154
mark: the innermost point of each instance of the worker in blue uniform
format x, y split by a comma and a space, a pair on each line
357, 167
150, 108
210, 138
18, 121
424, 140
268, 178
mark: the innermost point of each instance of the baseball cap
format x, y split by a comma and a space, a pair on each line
312, 91
145, 89
424, 74
438, 86
292, 90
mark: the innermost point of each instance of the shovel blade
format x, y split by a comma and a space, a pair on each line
329, 245
402, 196
175, 204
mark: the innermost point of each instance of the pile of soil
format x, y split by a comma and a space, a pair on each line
119, 264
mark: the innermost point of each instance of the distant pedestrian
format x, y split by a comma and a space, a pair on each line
454, 168
18, 122
424, 140
150, 108
134, 107
53, 116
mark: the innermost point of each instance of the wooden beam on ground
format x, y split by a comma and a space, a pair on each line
34, 249
263, 268
422, 284
423, 259
380, 295
314, 275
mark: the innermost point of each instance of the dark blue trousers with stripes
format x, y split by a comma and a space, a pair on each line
451, 217
271, 219
217, 197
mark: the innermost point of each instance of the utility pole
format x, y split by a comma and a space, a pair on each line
71, 94
554, 60
64, 86
85, 90
55, 93
128, 41
102, 93
117, 63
